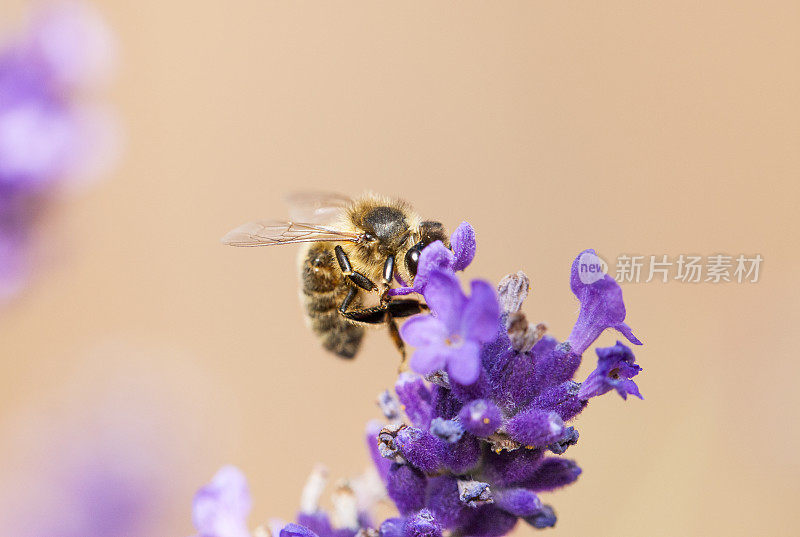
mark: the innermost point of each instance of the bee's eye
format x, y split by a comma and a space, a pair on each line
412, 258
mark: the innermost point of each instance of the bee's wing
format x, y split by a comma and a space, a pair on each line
268, 233
316, 207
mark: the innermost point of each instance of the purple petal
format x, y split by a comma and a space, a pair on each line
445, 402
392, 527
37, 140
626, 387
601, 308
435, 256
464, 363
556, 366
426, 360
420, 448
405, 485
518, 501
562, 399
553, 473
489, 521
513, 376
416, 398
74, 43
446, 299
535, 427
220, 508
594, 385
546, 518
511, 468
318, 523
422, 330
295, 530
462, 241
444, 501
462, 456
480, 417
481, 315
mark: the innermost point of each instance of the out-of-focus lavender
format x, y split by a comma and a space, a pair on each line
104, 453
54, 133
476, 434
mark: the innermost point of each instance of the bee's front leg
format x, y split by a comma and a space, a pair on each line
374, 315
388, 276
347, 269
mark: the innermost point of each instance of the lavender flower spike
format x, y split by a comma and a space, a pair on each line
220, 508
615, 367
464, 452
601, 307
451, 338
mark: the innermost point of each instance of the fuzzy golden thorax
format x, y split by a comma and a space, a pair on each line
389, 227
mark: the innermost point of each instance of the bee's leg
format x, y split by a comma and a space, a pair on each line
394, 333
355, 276
351, 294
396, 308
376, 315
388, 275
405, 307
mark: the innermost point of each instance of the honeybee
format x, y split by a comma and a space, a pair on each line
353, 250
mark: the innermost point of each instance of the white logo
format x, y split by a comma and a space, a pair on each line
591, 268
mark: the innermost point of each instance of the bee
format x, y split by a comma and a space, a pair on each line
353, 251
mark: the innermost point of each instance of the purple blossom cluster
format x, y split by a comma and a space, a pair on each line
477, 432
50, 134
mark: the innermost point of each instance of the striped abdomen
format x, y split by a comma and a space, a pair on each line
323, 290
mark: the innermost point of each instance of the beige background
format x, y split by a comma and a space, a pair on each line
631, 127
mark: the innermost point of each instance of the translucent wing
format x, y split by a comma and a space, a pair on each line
268, 233
315, 207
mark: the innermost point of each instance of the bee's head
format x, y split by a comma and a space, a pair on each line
428, 232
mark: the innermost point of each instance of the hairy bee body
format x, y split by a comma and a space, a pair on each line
354, 249
323, 288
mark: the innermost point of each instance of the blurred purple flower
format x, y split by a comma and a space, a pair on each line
450, 339
220, 509
48, 134
106, 459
